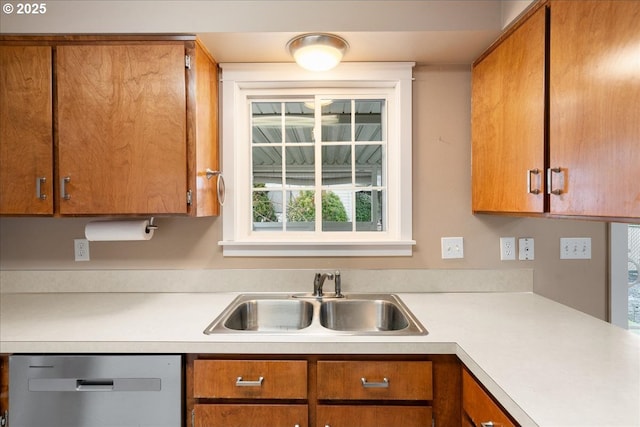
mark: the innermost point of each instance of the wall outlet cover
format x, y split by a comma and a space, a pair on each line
81, 249
507, 248
525, 249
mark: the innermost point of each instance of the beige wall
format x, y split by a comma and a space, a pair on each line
442, 207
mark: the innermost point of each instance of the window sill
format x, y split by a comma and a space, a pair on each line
322, 249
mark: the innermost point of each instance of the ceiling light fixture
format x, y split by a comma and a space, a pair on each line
317, 51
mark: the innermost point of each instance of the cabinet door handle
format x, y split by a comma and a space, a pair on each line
242, 383
490, 424
550, 173
220, 187
63, 188
367, 384
39, 182
529, 189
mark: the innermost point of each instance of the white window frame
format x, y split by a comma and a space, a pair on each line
241, 82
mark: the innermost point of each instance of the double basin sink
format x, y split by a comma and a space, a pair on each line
351, 314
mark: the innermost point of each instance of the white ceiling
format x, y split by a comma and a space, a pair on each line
424, 31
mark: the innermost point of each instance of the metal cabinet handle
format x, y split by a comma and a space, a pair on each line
242, 383
220, 187
367, 384
63, 188
550, 173
529, 189
39, 182
490, 424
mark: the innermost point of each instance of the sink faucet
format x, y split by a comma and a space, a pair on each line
318, 282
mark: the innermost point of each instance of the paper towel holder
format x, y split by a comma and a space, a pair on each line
151, 226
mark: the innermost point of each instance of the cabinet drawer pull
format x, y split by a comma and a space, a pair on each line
63, 188
367, 384
550, 173
242, 383
39, 182
530, 172
490, 424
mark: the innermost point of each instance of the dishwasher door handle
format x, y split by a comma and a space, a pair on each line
94, 385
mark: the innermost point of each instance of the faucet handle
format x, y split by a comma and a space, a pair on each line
338, 282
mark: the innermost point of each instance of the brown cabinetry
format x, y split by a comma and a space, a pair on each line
135, 125
26, 130
554, 128
373, 416
507, 122
320, 391
250, 393
381, 384
594, 130
478, 407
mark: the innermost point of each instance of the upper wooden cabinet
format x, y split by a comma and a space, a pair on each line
26, 130
507, 122
554, 114
594, 106
136, 125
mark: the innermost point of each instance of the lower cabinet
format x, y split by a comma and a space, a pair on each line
249, 393
373, 416
250, 415
322, 391
390, 393
479, 409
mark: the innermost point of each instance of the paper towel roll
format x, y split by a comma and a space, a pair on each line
118, 230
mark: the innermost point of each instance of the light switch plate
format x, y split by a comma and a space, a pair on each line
452, 247
575, 248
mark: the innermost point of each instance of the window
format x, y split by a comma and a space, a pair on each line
317, 167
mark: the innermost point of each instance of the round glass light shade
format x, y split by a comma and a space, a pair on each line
317, 52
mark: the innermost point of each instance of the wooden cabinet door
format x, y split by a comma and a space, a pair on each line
26, 130
250, 379
508, 123
373, 416
203, 132
246, 415
367, 380
595, 108
121, 120
478, 407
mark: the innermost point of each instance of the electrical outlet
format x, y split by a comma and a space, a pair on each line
81, 248
525, 249
452, 247
507, 248
575, 248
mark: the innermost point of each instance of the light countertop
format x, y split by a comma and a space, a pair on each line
547, 364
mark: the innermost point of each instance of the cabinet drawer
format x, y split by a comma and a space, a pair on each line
251, 415
365, 380
479, 407
250, 379
373, 416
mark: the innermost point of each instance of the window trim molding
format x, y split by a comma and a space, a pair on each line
238, 79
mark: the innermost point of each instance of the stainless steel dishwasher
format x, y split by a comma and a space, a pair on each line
95, 391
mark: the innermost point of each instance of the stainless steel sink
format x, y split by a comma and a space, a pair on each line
362, 316
352, 314
264, 313
270, 315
